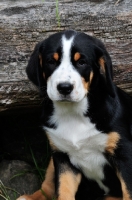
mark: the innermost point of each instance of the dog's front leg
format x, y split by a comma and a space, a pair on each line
67, 177
119, 152
124, 174
47, 190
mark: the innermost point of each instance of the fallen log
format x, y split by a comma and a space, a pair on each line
23, 24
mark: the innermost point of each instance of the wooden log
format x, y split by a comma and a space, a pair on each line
23, 24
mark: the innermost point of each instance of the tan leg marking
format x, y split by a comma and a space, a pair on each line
126, 194
56, 56
48, 185
47, 190
69, 183
113, 198
113, 139
77, 56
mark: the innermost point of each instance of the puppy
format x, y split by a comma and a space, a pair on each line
87, 119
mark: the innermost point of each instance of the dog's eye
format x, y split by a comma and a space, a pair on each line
81, 63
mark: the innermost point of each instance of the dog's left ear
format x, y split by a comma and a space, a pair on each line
105, 67
34, 69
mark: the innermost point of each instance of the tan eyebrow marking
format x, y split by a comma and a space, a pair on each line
77, 56
56, 56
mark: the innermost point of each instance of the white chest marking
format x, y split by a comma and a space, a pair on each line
79, 138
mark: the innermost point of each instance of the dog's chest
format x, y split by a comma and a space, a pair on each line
79, 138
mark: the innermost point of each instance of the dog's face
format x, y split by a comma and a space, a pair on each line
69, 62
65, 81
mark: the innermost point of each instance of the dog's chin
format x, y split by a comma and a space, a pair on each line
67, 99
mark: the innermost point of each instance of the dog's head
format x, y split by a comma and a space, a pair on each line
67, 63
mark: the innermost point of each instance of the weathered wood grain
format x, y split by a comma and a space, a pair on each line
23, 24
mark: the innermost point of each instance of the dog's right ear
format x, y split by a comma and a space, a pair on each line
34, 69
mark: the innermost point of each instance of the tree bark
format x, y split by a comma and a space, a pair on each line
23, 24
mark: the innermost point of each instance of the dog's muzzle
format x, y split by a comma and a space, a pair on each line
65, 88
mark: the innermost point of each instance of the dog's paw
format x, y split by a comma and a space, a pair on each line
24, 197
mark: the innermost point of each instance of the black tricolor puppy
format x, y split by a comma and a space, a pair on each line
87, 119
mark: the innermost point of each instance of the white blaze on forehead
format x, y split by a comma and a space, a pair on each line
66, 72
66, 47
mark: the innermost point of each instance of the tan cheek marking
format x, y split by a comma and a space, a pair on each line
85, 84
102, 65
126, 195
77, 56
40, 60
113, 139
49, 78
69, 183
56, 56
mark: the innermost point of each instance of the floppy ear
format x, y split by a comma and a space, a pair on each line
34, 70
105, 67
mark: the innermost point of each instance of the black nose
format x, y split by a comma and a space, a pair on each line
65, 88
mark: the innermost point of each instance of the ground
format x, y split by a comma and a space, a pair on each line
22, 139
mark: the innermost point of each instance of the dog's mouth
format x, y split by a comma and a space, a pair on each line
68, 99
65, 99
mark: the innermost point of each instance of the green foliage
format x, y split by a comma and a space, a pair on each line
38, 170
57, 12
4, 192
